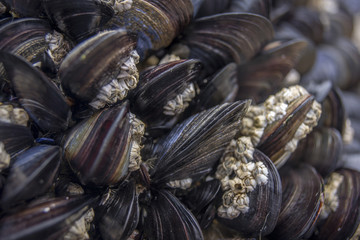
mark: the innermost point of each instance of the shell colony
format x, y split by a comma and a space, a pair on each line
186, 119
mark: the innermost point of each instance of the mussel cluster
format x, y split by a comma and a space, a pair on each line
179, 119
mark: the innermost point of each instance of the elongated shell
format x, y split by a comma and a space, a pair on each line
167, 218
15, 137
101, 68
51, 218
41, 99
166, 91
99, 148
31, 174
118, 212
302, 194
192, 148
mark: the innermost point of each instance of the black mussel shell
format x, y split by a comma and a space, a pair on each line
167, 218
265, 74
264, 204
162, 84
155, 23
118, 213
98, 148
341, 222
78, 19
15, 137
217, 89
302, 199
93, 63
193, 147
31, 174
25, 37
200, 200
322, 149
51, 218
236, 37
25, 8
41, 99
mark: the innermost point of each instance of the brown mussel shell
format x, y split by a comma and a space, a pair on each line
264, 204
31, 174
278, 134
98, 148
343, 222
155, 23
302, 193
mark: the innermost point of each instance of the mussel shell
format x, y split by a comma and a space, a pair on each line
51, 218
236, 38
264, 207
160, 85
15, 137
279, 133
78, 19
25, 37
31, 174
41, 99
98, 148
193, 147
156, 23
118, 215
167, 218
217, 89
322, 149
200, 200
343, 222
265, 74
334, 113
302, 199
91, 64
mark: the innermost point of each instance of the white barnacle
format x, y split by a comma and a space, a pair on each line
169, 58
4, 157
118, 5
348, 135
79, 230
331, 201
13, 115
74, 189
182, 184
137, 131
180, 102
58, 46
118, 88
